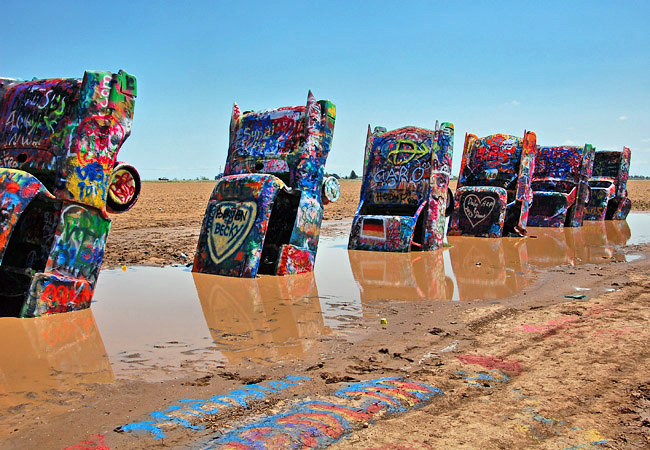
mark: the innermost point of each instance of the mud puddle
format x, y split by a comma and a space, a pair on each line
158, 324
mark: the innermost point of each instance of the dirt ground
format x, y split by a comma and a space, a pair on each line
533, 370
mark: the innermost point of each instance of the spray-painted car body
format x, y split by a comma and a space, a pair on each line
608, 198
265, 213
59, 140
494, 195
561, 186
405, 190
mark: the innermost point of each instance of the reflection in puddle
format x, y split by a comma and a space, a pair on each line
590, 244
401, 276
43, 357
162, 323
482, 268
265, 319
486, 268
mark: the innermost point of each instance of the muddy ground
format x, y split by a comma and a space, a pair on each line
534, 370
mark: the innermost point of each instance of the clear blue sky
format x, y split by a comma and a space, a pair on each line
573, 72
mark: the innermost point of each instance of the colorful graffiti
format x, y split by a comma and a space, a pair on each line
608, 199
96, 442
37, 114
16, 191
265, 212
59, 140
494, 186
124, 188
404, 193
188, 412
560, 186
79, 243
489, 379
316, 424
231, 223
491, 362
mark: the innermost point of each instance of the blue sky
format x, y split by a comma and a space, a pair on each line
573, 72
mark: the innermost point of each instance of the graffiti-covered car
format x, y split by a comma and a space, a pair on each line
608, 199
265, 212
560, 186
59, 176
494, 195
404, 193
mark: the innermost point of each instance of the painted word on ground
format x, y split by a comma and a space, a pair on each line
187, 412
316, 424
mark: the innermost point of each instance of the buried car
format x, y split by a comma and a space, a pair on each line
608, 198
493, 195
405, 193
265, 212
59, 176
560, 186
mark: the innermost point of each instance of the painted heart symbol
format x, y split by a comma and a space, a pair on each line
477, 209
231, 223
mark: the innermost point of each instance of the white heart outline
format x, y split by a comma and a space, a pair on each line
480, 203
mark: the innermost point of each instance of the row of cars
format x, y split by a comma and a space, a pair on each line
60, 177
506, 183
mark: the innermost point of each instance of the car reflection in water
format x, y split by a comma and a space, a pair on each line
60, 352
593, 243
264, 319
484, 268
489, 268
401, 276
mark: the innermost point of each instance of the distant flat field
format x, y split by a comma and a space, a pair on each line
166, 221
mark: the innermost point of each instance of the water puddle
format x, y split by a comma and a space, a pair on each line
161, 323
44, 357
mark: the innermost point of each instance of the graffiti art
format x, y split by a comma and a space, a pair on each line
608, 198
404, 194
265, 213
320, 423
494, 194
59, 175
560, 186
